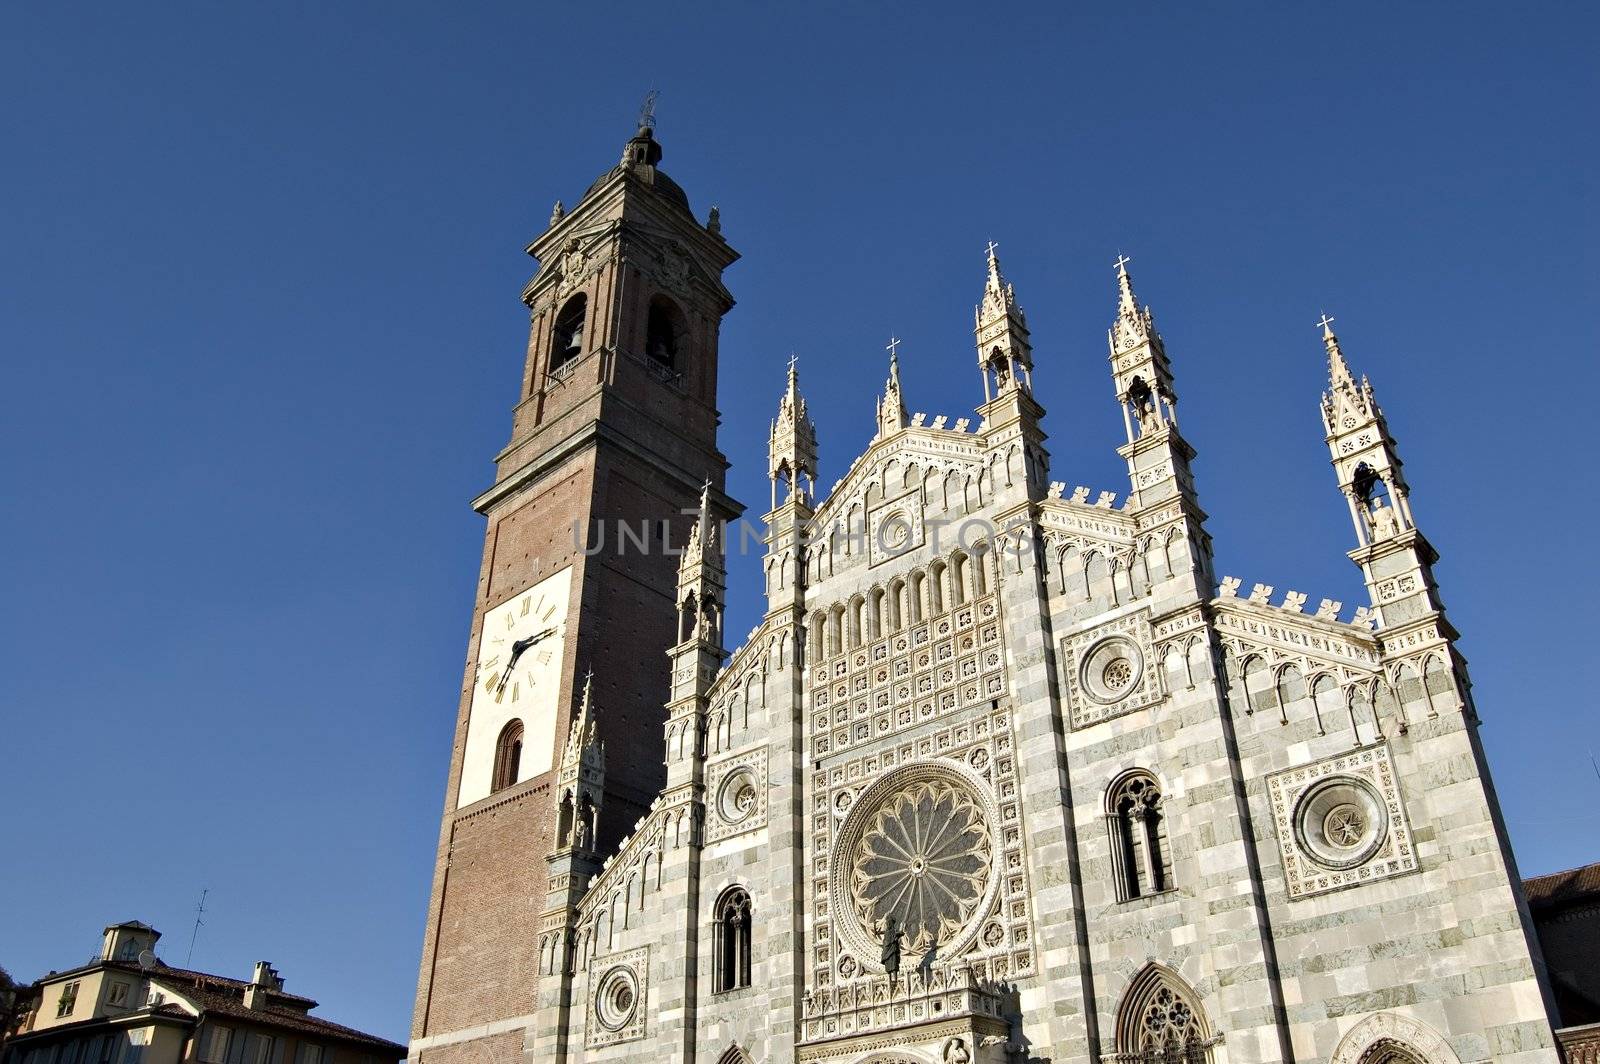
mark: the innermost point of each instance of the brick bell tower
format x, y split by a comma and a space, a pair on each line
614, 436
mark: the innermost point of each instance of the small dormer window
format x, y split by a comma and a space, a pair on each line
68, 1001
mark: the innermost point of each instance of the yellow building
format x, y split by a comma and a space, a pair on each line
126, 1006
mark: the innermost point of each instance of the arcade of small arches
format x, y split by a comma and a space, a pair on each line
958, 489
908, 598
1407, 693
1083, 571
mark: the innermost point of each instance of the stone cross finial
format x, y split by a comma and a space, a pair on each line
1326, 325
992, 246
894, 342
1122, 263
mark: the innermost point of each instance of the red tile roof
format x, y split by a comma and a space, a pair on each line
205, 980
288, 1019
1560, 888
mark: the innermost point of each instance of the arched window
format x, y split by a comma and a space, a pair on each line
732, 941
508, 755
1160, 1021
567, 343
1140, 861
664, 332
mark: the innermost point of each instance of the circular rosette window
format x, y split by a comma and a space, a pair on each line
617, 999
737, 798
1340, 822
918, 847
1111, 670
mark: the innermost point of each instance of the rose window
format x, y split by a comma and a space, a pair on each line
617, 999
1341, 822
1112, 669
1118, 674
924, 857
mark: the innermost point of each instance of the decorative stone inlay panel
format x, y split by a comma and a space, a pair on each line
617, 989
737, 789
1112, 670
894, 527
954, 661
1341, 822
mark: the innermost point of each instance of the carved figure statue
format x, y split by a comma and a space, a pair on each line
925, 966
891, 945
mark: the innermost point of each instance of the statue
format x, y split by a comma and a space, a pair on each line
891, 946
925, 966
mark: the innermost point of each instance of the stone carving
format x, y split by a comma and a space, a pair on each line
1391, 1031
1340, 822
1109, 676
1261, 593
955, 1052
737, 795
1230, 586
889, 957
1328, 609
1294, 601
617, 1010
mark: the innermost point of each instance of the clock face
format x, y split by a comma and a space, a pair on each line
517, 678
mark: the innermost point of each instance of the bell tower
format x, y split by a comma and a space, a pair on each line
611, 460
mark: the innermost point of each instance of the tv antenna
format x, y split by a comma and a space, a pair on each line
647, 110
199, 910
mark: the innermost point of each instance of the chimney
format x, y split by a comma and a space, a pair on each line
263, 980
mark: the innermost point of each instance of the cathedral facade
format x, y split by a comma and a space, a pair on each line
1006, 772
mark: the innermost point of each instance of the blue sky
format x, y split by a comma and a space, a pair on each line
259, 276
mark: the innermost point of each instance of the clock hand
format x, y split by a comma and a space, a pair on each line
517, 650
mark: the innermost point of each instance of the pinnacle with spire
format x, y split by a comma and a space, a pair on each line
583, 734
1134, 325
792, 441
999, 298
1346, 399
891, 406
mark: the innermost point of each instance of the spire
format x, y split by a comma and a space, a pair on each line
891, 407
582, 734
702, 578
792, 443
999, 297
1004, 352
1338, 370
702, 534
1139, 367
1133, 325
1346, 403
